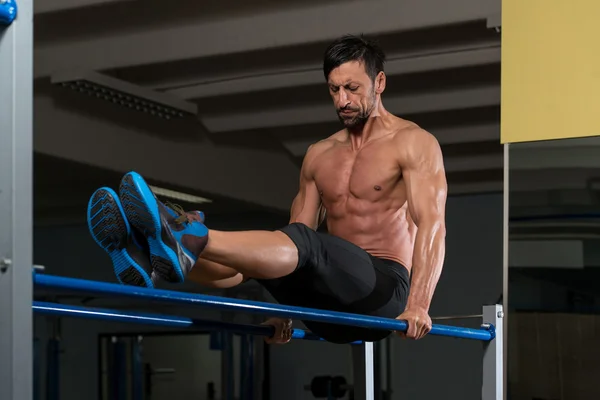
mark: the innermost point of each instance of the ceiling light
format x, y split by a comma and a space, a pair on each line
126, 94
180, 196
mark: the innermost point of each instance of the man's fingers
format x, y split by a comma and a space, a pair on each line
413, 329
424, 330
283, 330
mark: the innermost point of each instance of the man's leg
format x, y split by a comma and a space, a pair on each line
177, 239
214, 275
255, 254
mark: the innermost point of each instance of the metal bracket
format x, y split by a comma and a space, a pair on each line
5, 262
495, 22
8, 11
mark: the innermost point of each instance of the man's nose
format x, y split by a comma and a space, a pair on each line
342, 99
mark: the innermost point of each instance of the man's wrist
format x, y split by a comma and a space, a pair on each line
417, 304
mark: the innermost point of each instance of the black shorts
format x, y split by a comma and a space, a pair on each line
334, 274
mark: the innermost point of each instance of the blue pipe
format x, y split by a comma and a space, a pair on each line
64, 310
229, 304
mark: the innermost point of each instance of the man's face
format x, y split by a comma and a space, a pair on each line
353, 93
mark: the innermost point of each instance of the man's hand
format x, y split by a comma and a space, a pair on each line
283, 330
419, 323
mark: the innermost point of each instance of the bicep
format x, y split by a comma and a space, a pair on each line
306, 207
425, 180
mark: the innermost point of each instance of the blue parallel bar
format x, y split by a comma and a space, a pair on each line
64, 310
255, 307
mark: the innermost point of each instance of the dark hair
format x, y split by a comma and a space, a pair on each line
354, 48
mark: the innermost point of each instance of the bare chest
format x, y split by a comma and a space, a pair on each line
370, 174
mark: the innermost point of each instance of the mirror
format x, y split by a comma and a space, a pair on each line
554, 259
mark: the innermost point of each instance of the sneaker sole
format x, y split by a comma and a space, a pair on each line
141, 209
110, 230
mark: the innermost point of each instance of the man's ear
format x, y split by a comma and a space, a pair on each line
380, 81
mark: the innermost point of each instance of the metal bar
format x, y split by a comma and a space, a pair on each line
363, 371
377, 371
244, 359
493, 365
120, 370
249, 375
227, 378
16, 197
255, 307
246, 367
37, 368
505, 260
53, 369
63, 310
389, 389
137, 369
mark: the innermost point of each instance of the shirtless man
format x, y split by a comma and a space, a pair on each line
379, 184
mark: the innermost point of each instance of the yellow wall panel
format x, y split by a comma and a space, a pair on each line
550, 69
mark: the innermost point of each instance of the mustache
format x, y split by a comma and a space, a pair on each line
347, 109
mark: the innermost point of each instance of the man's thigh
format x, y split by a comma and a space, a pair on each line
335, 274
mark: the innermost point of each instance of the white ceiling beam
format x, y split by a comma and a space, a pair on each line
270, 79
453, 135
401, 105
278, 28
49, 6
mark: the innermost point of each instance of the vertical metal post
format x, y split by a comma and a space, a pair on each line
227, 365
16, 153
36, 369
53, 369
137, 369
377, 371
363, 366
493, 365
389, 386
505, 264
244, 363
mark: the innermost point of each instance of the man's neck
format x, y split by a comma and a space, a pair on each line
369, 130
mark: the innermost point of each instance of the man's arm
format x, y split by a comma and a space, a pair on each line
425, 179
306, 207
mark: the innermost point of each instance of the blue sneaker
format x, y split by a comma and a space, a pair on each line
175, 238
112, 232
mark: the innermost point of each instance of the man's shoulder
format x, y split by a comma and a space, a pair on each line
326, 143
408, 134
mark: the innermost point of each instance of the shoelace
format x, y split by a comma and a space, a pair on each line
183, 217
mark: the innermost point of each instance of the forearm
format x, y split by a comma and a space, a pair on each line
428, 260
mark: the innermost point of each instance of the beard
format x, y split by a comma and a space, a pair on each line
360, 117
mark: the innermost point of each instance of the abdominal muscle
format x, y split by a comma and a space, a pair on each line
381, 231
